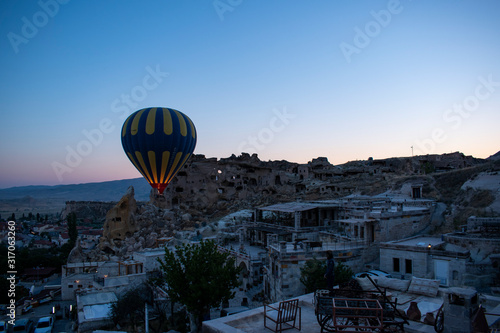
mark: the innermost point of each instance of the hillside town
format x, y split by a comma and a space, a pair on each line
429, 225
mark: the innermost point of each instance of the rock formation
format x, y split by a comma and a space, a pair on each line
131, 227
76, 254
206, 189
120, 220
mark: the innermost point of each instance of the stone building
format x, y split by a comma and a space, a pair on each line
93, 310
321, 169
470, 257
384, 217
208, 183
481, 237
292, 221
149, 258
303, 171
425, 257
113, 275
285, 259
293, 233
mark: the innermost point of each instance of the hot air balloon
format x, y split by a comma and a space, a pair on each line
158, 142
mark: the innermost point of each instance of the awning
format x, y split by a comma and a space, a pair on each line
290, 207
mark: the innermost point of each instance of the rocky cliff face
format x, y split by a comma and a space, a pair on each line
131, 227
211, 186
207, 188
120, 220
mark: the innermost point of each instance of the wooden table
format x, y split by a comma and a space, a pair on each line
357, 314
348, 314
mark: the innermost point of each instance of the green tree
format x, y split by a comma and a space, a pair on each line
312, 274
31, 258
129, 309
429, 167
343, 273
72, 231
64, 252
45, 234
200, 277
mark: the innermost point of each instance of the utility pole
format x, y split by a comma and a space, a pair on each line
146, 319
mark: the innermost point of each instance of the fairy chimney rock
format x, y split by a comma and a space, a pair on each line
120, 220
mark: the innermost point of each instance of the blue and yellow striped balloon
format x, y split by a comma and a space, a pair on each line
158, 141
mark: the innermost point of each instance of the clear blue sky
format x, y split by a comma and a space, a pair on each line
286, 79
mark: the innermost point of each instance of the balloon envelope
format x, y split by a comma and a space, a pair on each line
158, 141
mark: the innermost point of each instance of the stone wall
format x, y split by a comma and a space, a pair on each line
421, 263
73, 283
483, 224
486, 244
401, 225
149, 258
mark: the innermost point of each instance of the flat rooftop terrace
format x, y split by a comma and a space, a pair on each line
419, 241
252, 321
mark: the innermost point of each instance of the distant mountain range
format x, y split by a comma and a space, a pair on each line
104, 191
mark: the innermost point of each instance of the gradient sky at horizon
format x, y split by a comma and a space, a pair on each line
285, 79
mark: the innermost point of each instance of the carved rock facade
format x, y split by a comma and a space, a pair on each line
120, 220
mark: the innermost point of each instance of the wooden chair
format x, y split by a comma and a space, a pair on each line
284, 317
